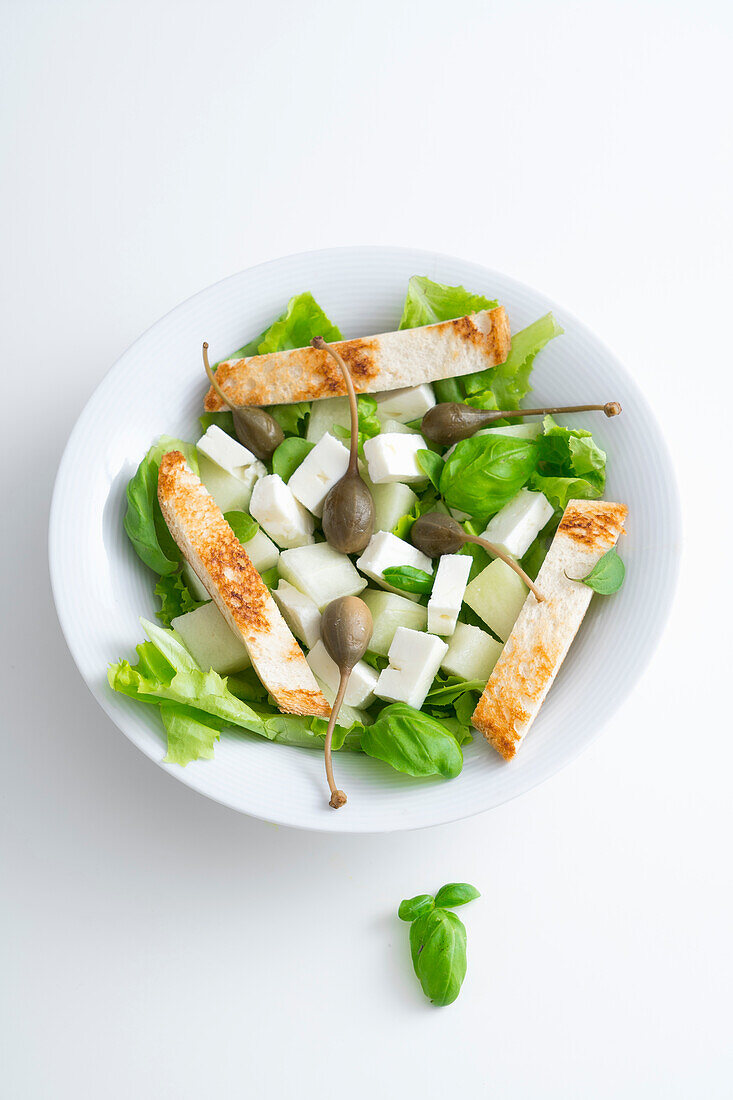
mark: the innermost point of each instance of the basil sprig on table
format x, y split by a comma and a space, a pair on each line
438, 940
606, 576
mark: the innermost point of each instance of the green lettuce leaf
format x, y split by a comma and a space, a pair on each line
144, 523
295, 328
485, 472
509, 381
191, 733
175, 598
293, 419
560, 490
427, 303
369, 424
570, 465
223, 420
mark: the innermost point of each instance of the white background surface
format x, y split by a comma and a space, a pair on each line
156, 945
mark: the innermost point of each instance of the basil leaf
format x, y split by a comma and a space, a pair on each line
485, 472
412, 908
431, 464
408, 579
289, 455
438, 948
412, 742
606, 576
242, 524
175, 598
455, 893
144, 523
428, 302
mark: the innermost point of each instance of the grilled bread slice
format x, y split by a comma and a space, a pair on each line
222, 565
543, 632
387, 362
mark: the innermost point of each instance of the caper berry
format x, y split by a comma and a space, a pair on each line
437, 534
348, 515
346, 630
256, 429
449, 422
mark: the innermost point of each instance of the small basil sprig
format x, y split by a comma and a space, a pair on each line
409, 579
606, 576
438, 940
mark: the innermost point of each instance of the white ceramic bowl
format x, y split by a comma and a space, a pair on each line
101, 588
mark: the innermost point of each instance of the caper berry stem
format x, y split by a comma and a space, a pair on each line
611, 408
338, 798
319, 342
212, 377
497, 552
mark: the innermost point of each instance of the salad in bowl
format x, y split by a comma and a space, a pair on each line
371, 547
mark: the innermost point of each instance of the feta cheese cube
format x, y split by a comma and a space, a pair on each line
414, 659
299, 612
321, 573
446, 598
406, 404
318, 472
362, 681
324, 414
385, 550
393, 457
391, 502
284, 518
390, 611
210, 640
515, 527
262, 551
472, 653
227, 453
497, 595
230, 493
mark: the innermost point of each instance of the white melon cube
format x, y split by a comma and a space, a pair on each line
321, 572
347, 715
391, 426
325, 414
318, 473
262, 551
515, 527
390, 611
195, 587
446, 598
227, 453
299, 612
497, 595
210, 640
384, 551
472, 653
284, 518
414, 659
393, 457
362, 681
391, 502
230, 493
410, 403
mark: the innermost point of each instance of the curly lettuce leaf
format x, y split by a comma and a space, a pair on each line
144, 523
509, 381
571, 465
295, 328
175, 598
427, 303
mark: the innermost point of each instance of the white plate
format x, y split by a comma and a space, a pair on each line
101, 588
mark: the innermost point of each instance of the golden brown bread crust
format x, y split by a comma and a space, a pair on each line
544, 631
376, 363
223, 566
